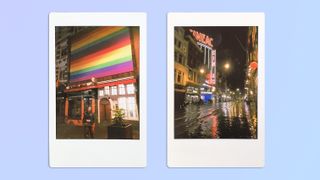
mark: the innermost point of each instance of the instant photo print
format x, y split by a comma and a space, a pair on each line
97, 87
215, 90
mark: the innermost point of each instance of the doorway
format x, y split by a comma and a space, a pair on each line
105, 110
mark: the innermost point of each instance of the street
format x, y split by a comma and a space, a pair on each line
233, 120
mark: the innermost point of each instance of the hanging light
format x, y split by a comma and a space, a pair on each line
253, 65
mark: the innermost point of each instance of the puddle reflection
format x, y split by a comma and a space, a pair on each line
234, 120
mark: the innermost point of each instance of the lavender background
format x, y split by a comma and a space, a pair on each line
292, 89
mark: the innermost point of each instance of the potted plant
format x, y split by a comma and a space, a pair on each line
119, 129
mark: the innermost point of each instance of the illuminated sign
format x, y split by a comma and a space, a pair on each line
213, 64
202, 38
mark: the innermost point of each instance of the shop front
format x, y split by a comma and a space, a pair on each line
192, 95
102, 98
77, 104
122, 95
102, 74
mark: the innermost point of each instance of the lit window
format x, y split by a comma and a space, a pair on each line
101, 92
122, 89
179, 77
190, 75
130, 89
114, 90
122, 104
106, 90
131, 107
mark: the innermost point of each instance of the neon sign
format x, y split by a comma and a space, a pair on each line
200, 37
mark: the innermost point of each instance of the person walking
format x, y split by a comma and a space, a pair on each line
88, 124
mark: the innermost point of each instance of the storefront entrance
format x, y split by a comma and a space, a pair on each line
105, 110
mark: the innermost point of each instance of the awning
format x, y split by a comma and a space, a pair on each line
114, 83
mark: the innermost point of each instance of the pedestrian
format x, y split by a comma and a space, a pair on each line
88, 124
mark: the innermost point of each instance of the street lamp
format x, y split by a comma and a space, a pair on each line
227, 66
201, 70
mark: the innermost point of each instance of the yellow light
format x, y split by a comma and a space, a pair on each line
227, 66
201, 71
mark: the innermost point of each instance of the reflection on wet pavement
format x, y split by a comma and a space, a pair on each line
235, 120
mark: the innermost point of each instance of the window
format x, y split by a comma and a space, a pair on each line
175, 56
182, 77
128, 104
114, 90
75, 108
106, 90
190, 75
87, 104
64, 52
180, 59
101, 92
122, 89
122, 104
131, 107
179, 77
130, 89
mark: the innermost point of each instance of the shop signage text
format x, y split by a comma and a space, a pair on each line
202, 38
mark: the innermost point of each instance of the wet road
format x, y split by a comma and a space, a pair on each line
233, 120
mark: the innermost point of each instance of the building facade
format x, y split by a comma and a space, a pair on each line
195, 75
103, 74
62, 41
188, 62
251, 84
208, 67
62, 49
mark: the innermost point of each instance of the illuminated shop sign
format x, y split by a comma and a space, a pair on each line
213, 63
200, 37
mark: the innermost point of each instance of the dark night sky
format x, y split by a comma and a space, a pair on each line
227, 41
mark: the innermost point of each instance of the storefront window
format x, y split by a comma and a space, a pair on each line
114, 90
122, 89
87, 104
75, 108
131, 107
122, 104
128, 104
130, 88
101, 92
107, 90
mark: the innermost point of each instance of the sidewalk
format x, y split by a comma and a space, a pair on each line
65, 131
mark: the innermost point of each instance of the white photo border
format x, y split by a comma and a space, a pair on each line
215, 152
94, 152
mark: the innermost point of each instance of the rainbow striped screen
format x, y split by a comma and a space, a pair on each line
104, 51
